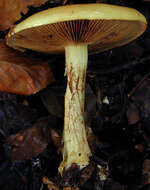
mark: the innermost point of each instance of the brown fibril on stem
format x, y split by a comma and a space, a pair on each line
77, 29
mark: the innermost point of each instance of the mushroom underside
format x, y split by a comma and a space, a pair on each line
100, 35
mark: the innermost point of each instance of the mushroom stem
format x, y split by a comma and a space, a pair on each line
76, 149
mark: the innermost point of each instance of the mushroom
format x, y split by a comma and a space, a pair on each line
75, 30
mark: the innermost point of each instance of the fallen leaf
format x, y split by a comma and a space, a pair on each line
21, 73
146, 172
30, 142
11, 10
50, 184
56, 138
140, 96
133, 114
139, 147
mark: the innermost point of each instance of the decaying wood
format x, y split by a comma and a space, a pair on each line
21, 73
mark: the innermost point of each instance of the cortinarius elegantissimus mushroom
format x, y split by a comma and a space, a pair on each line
77, 29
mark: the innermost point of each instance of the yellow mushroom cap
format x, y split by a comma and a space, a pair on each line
100, 26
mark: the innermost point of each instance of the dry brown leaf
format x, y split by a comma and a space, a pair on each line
56, 138
21, 73
30, 142
50, 184
133, 114
146, 172
10, 10
140, 100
